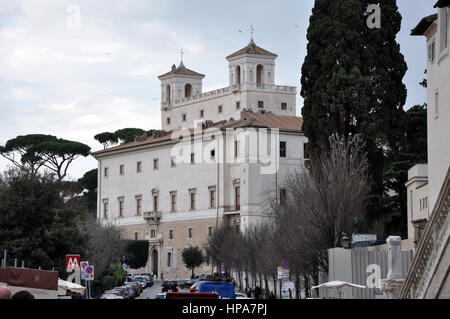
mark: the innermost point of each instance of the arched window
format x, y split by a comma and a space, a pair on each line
259, 75
238, 75
188, 90
168, 93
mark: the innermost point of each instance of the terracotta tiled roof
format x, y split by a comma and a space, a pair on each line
252, 48
248, 119
181, 70
424, 24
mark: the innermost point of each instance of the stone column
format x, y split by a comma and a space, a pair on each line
392, 286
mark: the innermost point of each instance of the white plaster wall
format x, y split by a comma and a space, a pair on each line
438, 125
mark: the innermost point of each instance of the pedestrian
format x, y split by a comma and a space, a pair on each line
5, 292
248, 291
257, 292
272, 296
233, 281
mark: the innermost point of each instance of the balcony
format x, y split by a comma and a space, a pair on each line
152, 217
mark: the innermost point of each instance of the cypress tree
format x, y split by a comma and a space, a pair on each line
352, 83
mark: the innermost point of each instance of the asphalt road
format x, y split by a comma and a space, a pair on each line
151, 292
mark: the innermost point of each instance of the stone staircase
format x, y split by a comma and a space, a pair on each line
429, 276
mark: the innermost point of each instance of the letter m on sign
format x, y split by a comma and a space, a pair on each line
72, 262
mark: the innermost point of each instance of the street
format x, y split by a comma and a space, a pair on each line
151, 292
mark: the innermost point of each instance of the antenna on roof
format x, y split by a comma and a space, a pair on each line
251, 32
182, 53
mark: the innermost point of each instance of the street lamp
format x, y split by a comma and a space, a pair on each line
346, 242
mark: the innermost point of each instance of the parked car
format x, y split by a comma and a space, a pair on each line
149, 277
125, 292
169, 285
137, 289
161, 296
111, 296
129, 290
120, 291
187, 283
149, 280
141, 280
241, 296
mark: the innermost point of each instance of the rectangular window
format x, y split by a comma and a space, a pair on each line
171, 232
236, 149
106, 171
284, 106
282, 197
283, 149
169, 259
136, 235
173, 201
139, 167
237, 191
122, 169
238, 105
190, 233
212, 197
139, 206
184, 117
155, 203
192, 158
172, 162
155, 164
210, 231
220, 109
192, 199
213, 154
202, 113
153, 233
168, 121
105, 209
121, 200
432, 51
260, 104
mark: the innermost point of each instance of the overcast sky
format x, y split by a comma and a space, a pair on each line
76, 80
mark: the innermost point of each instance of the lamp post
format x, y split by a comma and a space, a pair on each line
346, 242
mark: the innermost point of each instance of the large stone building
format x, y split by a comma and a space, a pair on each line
429, 276
218, 159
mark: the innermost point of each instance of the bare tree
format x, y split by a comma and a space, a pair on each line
323, 203
104, 245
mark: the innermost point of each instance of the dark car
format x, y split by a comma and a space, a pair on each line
136, 287
129, 291
126, 292
169, 285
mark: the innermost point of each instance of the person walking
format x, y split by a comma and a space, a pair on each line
257, 292
248, 291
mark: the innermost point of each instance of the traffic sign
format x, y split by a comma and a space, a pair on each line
89, 272
283, 273
125, 267
222, 268
83, 266
72, 262
285, 264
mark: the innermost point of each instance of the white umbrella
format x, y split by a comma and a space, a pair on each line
338, 285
